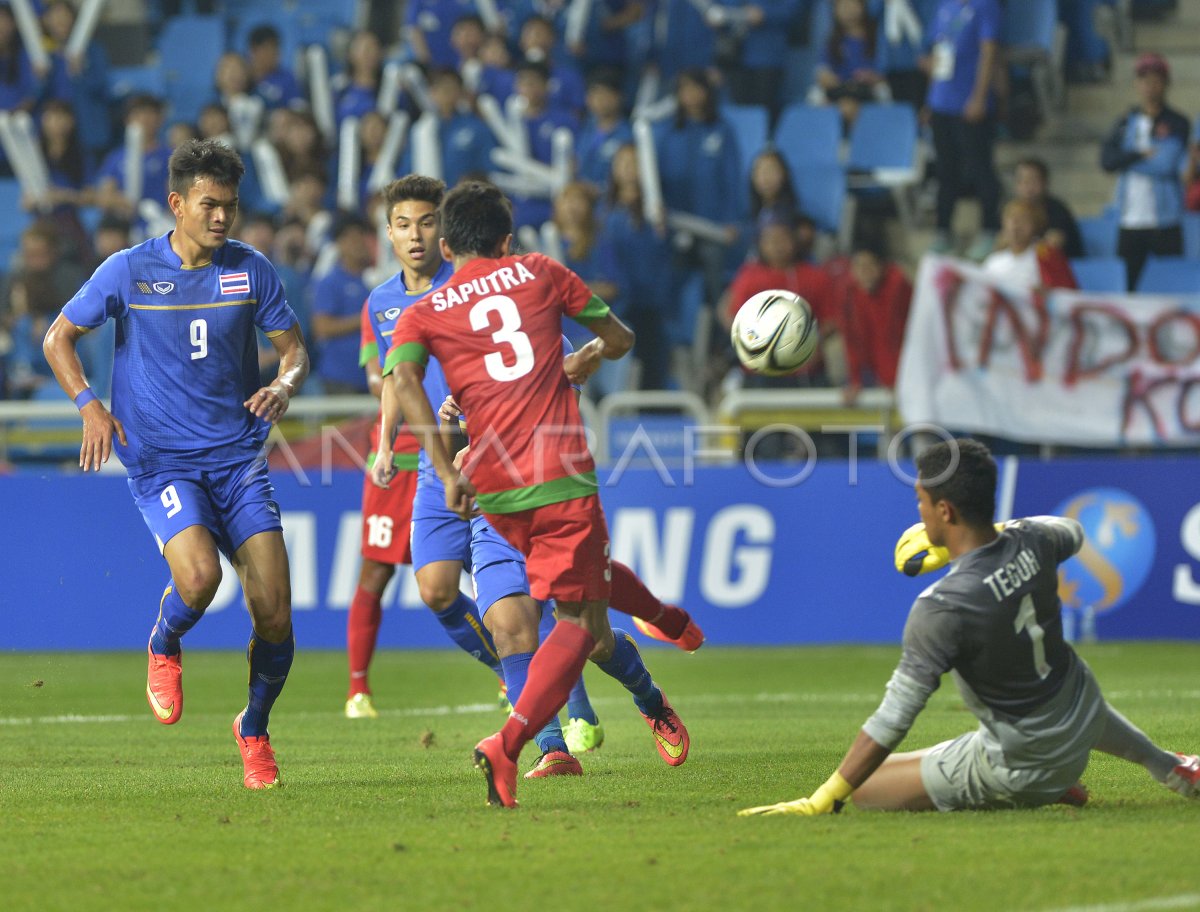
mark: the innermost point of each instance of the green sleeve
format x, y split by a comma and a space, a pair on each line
409, 351
594, 309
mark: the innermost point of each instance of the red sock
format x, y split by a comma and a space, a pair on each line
362, 630
555, 668
630, 596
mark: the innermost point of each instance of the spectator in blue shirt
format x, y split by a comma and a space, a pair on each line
19, 86
852, 64
497, 77
585, 251
533, 84
963, 63
701, 173
273, 82
427, 27
81, 80
465, 140
683, 41
357, 90
1148, 148
566, 84
606, 35
337, 301
756, 77
606, 128
147, 112
70, 176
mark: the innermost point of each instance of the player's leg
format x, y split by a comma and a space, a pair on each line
362, 633
262, 565
651, 616
177, 510
1123, 739
583, 731
896, 786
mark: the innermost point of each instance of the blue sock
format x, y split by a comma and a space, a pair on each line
269, 664
626, 666
516, 669
462, 623
578, 704
174, 620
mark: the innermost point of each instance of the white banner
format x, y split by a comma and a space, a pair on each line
1065, 367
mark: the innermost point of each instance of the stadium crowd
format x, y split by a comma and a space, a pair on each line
548, 104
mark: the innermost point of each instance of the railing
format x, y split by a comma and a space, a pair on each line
49, 430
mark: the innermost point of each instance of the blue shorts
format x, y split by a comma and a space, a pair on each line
497, 568
233, 502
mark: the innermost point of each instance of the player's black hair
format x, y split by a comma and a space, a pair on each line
203, 158
264, 33
413, 187
963, 473
476, 218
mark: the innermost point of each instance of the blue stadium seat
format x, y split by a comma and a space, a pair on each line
798, 68
1100, 274
884, 136
1170, 275
809, 135
1099, 234
1033, 38
1191, 235
136, 80
15, 220
822, 193
189, 47
749, 124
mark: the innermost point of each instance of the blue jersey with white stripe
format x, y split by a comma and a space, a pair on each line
186, 355
385, 304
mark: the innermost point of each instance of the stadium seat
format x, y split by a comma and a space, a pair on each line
1034, 38
798, 68
136, 80
749, 124
1170, 275
1099, 235
883, 144
1191, 235
290, 44
189, 48
1100, 274
822, 193
809, 135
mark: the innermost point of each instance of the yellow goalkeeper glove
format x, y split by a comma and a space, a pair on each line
828, 799
915, 555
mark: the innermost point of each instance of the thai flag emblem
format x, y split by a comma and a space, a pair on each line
235, 283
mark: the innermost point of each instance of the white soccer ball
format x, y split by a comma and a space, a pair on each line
774, 333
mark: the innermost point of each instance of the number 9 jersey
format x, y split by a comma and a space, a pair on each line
496, 329
186, 352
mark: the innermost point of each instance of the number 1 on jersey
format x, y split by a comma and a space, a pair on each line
199, 336
508, 334
1027, 620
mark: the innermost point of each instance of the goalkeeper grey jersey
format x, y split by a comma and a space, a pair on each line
995, 622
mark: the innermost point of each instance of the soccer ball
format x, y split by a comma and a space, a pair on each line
774, 333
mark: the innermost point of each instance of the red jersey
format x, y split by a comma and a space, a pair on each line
872, 324
496, 329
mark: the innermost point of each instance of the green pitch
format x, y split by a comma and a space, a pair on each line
109, 810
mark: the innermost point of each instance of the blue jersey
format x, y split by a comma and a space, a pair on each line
384, 306
186, 351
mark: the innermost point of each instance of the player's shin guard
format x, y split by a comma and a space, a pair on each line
554, 669
269, 666
626, 665
362, 632
463, 625
516, 672
630, 596
175, 619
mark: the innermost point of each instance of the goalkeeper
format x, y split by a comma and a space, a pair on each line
994, 621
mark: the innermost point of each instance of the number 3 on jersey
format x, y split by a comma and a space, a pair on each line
508, 334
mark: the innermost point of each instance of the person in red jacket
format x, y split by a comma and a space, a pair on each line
1027, 261
874, 297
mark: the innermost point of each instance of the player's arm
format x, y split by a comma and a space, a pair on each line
613, 341
99, 425
374, 378
271, 402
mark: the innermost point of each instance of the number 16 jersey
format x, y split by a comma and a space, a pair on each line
496, 329
186, 353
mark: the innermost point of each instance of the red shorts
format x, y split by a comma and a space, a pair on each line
386, 516
565, 546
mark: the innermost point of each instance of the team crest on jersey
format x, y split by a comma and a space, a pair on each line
164, 287
235, 283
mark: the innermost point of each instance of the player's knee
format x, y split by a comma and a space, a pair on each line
197, 584
375, 576
438, 594
273, 619
511, 631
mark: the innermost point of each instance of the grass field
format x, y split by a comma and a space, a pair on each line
104, 809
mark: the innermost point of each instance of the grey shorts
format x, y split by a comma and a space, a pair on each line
959, 775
